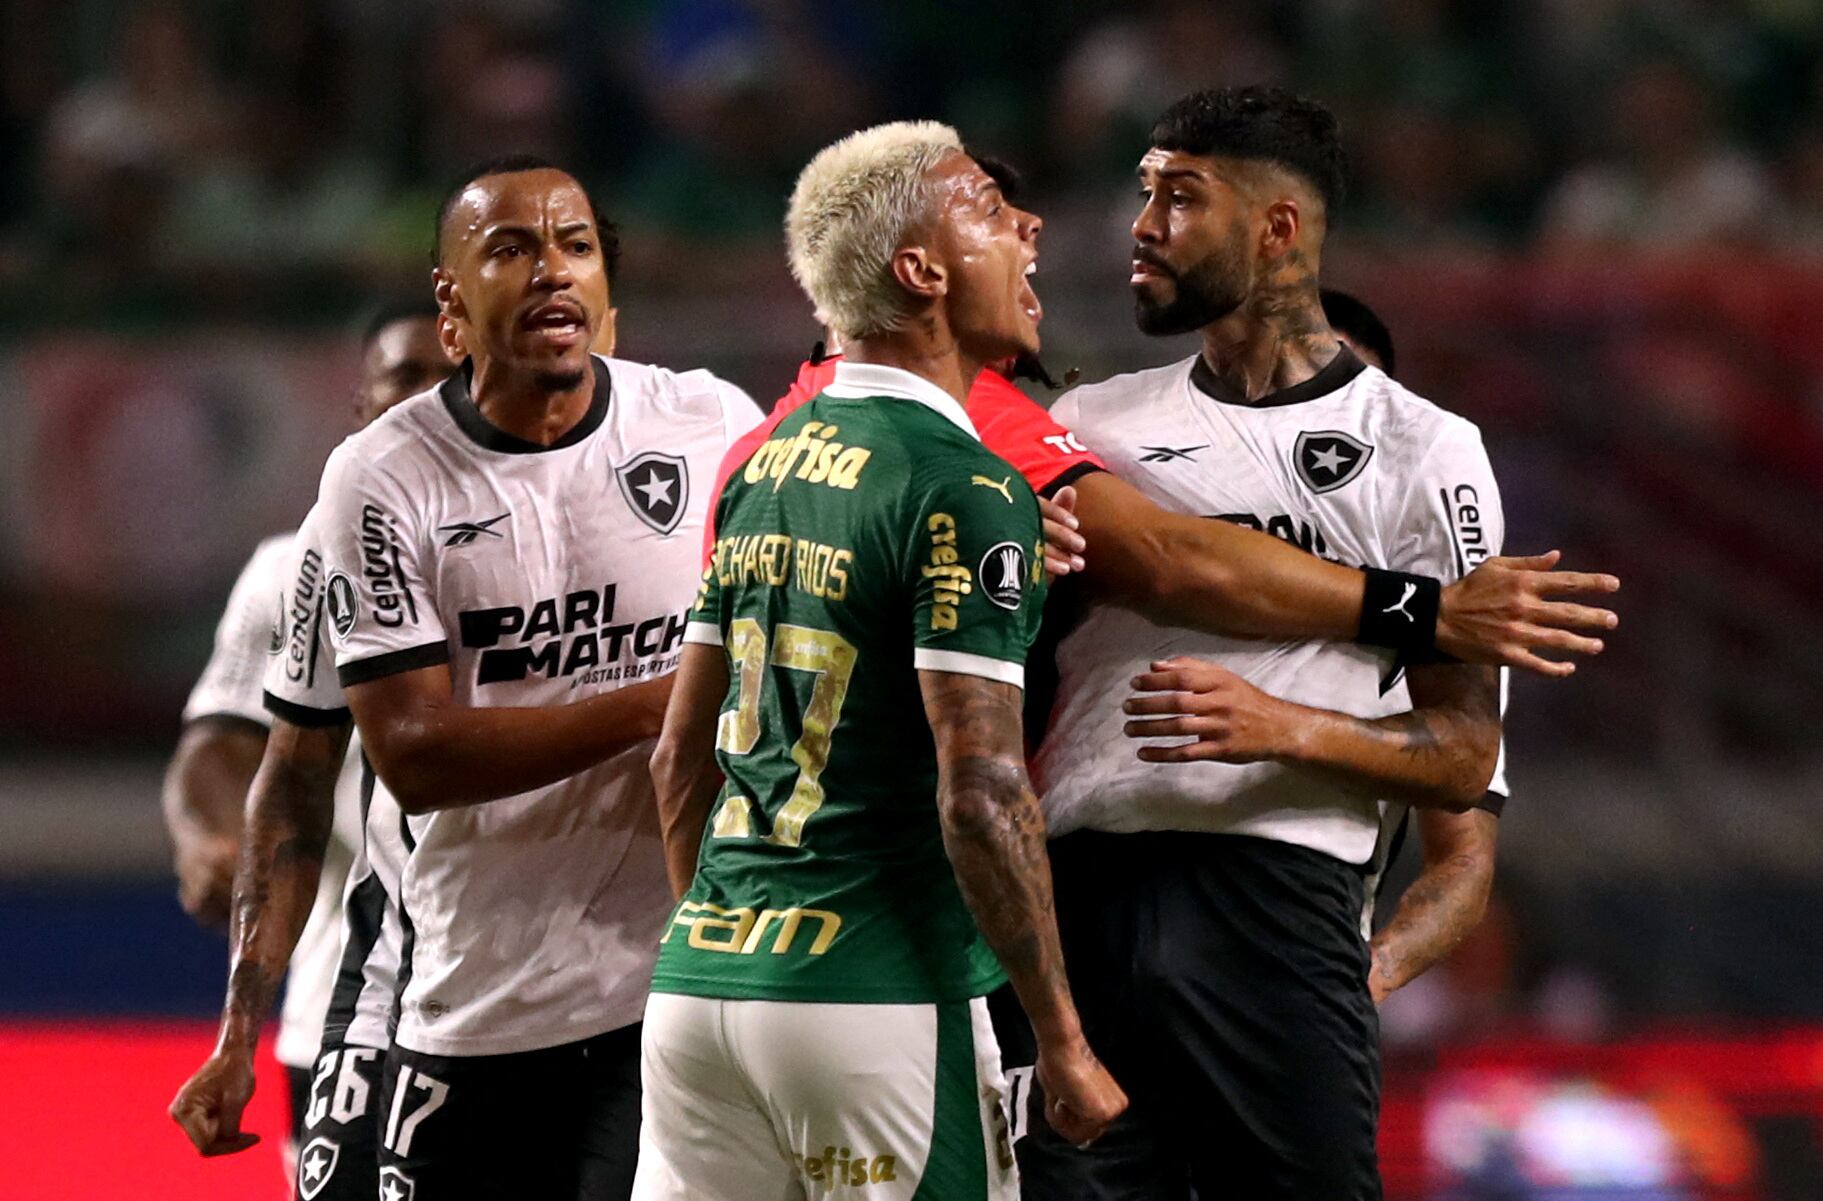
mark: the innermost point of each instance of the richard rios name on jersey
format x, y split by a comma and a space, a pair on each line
1349, 465
539, 576
871, 538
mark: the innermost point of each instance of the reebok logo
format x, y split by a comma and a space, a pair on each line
462, 533
1171, 454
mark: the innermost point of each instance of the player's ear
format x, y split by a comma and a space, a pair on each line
448, 296
1283, 221
918, 273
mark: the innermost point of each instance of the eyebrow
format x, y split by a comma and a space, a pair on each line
526, 231
1174, 173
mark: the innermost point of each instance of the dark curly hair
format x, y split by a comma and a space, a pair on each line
1271, 124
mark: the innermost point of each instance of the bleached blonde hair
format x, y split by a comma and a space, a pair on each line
849, 212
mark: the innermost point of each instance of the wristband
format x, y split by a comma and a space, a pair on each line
1399, 611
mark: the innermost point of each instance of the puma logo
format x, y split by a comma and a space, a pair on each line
1411, 590
999, 486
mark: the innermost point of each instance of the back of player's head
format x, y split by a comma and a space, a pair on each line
1349, 316
388, 312
1261, 123
514, 164
849, 212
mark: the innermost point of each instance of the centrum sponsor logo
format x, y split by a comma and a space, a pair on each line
393, 603
300, 618
1464, 505
951, 580
811, 455
837, 1167
743, 931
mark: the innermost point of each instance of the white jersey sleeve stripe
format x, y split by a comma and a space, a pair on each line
703, 633
376, 667
964, 664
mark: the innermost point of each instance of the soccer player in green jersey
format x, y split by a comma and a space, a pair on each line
853, 886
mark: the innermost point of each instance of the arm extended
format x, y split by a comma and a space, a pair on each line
204, 797
684, 774
1443, 904
1440, 754
290, 811
436, 754
993, 831
1213, 575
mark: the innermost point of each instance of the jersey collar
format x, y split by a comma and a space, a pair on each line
857, 381
484, 433
1334, 376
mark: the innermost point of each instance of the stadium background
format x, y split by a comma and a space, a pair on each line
1594, 226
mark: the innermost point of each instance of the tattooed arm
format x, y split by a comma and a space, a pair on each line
993, 831
684, 774
1440, 754
289, 814
1443, 904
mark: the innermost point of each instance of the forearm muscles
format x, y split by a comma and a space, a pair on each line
435, 754
1439, 754
290, 811
1444, 904
994, 833
1208, 574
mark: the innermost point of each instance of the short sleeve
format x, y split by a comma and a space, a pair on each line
978, 564
1018, 429
704, 626
301, 685
1450, 519
244, 638
1451, 522
739, 412
379, 613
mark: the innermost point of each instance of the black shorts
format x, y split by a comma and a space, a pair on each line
1223, 981
556, 1124
338, 1139
297, 1094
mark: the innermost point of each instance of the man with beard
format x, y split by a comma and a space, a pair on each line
1210, 909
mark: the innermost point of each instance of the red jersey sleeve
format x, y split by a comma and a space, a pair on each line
1019, 430
812, 378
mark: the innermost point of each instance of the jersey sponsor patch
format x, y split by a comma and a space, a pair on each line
1328, 459
316, 1164
341, 601
1002, 574
657, 486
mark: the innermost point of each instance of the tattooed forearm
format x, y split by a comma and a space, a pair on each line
290, 810
993, 830
1440, 754
1444, 904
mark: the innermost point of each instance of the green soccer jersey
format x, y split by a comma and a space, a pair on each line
871, 537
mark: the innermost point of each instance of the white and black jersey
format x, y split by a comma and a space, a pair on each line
230, 683
1350, 466
359, 968
246, 641
540, 576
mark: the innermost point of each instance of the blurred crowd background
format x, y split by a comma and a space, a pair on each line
1594, 226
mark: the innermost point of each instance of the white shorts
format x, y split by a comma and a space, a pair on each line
783, 1100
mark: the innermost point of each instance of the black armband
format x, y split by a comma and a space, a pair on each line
1399, 611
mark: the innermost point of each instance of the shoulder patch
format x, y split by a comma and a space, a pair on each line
1002, 574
